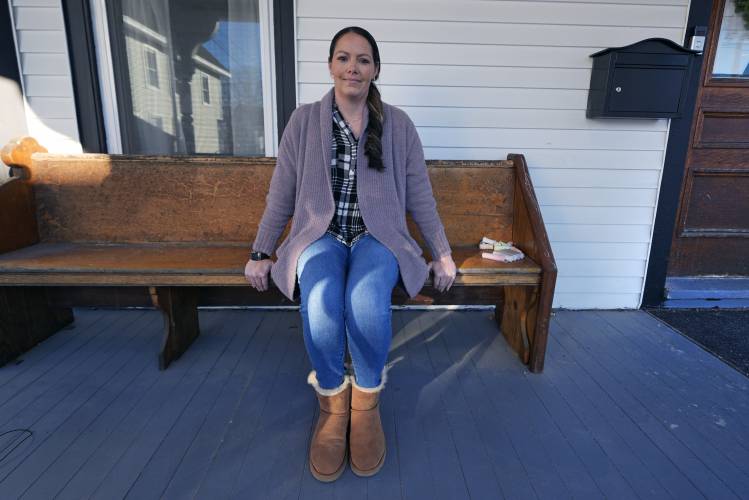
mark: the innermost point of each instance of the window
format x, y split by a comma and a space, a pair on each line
152, 70
205, 68
206, 89
732, 53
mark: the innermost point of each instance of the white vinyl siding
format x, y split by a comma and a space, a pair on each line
45, 69
482, 79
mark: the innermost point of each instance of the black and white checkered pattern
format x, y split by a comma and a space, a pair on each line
347, 224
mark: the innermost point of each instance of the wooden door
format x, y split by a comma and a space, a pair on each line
711, 234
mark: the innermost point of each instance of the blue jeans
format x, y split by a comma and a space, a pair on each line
346, 295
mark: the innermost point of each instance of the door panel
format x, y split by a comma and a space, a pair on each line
711, 236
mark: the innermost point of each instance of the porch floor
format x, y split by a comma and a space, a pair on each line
625, 408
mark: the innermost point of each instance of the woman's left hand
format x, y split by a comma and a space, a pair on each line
444, 272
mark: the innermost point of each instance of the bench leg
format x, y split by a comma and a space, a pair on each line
517, 319
179, 305
26, 318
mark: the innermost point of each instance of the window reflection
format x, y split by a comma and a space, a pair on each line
188, 76
732, 54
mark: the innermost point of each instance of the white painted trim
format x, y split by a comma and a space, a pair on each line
267, 56
146, 51
143, 29
20, 69
208, 64
106, 76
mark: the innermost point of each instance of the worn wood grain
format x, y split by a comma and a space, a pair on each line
183, 264
17, 216
179, 307
529, 234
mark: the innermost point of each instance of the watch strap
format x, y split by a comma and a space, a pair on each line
259, 256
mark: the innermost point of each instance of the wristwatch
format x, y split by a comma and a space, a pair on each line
259, 256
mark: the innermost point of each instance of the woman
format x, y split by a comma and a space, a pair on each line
349, 168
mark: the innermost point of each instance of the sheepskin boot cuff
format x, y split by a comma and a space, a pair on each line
312, 380
383, 379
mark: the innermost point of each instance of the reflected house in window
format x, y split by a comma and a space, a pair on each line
188, 77
153, 92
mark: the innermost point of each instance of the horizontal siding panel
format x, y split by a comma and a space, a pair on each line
596, 215
64, 127
45, 64
556, 158
53, 107
38, 18
554, 177
36, 3
42, 41
524, 138
465, 55
603, 284
48, 86
488, 33
461, 76
597, 300
504, 12
53, 132
683, 3
599, 251
613, 233
537, 119
475, 97
67, 127
614, 268
597, 197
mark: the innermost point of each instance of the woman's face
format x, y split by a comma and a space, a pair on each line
352, 67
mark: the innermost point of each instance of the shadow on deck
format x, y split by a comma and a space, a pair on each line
625, 408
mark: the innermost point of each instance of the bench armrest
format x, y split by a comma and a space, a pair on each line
528, 230
529, 234
18, 226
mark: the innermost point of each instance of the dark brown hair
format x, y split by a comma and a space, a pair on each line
373, 146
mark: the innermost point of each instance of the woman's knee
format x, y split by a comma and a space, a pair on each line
367, 304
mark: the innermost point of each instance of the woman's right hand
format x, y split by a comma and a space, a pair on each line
256, 272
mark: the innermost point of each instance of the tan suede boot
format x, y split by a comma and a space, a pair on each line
366, 439
328, 449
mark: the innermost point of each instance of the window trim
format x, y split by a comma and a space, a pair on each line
146, 52
205, 89
103, 51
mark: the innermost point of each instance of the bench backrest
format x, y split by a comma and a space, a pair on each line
119, 199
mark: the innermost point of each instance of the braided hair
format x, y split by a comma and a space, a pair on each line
373, 146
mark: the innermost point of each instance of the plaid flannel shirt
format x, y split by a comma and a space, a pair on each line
347, 224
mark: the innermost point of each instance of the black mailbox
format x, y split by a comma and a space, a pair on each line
647, 79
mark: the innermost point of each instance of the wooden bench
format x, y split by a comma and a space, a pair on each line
174, 232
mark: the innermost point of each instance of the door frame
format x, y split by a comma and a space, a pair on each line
673, 168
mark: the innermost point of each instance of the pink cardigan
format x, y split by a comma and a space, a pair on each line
301, 187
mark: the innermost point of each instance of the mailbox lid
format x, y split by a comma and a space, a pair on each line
646, 90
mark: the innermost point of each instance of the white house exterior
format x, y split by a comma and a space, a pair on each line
480, 79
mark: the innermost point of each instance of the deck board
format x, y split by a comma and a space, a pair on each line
51, 350
657, 425
625, 408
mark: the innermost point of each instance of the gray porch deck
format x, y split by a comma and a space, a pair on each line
626, 408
